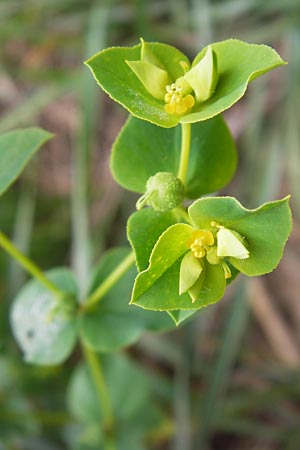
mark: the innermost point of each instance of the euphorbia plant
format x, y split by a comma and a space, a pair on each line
187, 256
176, 149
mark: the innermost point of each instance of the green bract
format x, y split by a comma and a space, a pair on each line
156, 82
189, 264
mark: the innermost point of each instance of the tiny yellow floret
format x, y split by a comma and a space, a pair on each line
176, 102
199, 241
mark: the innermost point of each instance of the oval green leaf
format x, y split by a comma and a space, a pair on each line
128, 385
44, 337
141, 150
16, 149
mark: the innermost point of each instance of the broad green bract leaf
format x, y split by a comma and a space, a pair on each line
265, 229
113, 324
157, 287
143, 230
114, 75
16, 149
238, 63
142, 150
168, 249
44, 338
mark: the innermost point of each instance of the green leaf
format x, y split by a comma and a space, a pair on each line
168, 249
110, 70
163, 294
143, 230
142, 150
128, 385
44, 337
16, 149
265, 229
113, 324
238, 64
157, 288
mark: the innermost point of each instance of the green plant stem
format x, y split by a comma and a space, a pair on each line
93, 361
185, 151
109, 281
28, 265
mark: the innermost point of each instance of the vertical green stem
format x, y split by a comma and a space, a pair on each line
28, 265
21, 236
103, 396
185, 151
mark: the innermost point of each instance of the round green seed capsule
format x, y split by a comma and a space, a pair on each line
164, 191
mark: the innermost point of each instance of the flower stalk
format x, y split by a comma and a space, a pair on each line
185, 151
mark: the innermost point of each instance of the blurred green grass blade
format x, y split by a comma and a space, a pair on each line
179, 14
141, 20
230, 345
293, 162
98, 24
21, 237
291, 139
201, 19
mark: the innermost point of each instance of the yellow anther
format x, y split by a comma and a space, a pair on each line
199, 241
176, 103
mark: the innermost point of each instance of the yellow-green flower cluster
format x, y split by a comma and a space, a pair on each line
196, 85
215, 246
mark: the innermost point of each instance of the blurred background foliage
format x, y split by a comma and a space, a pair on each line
229, 378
